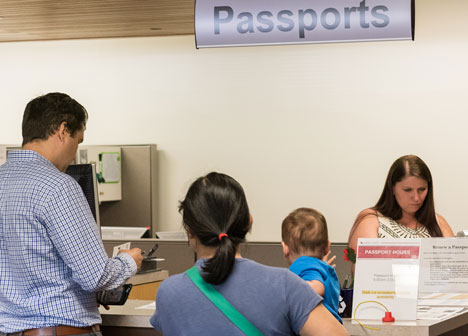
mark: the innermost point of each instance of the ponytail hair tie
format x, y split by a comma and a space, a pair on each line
221, 235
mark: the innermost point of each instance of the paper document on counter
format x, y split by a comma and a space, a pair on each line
444, 265
438, 313
151, 305
172, 235
443, 299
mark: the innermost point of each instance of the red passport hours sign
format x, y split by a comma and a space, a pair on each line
388, 252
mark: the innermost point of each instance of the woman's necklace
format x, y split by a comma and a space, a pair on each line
412, 224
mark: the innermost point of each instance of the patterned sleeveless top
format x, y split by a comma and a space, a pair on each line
389, 228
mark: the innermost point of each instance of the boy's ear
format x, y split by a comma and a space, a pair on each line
285, 249
328, 247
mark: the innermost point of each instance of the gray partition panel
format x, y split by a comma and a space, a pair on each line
270, 254
139, 190
180, 257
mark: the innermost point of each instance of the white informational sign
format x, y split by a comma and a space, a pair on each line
263, 22
444, 265
386, 276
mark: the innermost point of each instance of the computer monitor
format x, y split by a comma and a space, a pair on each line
85, 175
463, 233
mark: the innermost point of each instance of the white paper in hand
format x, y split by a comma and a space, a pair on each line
117, 248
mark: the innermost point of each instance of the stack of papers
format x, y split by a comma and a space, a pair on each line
441, 306
172, 235
122, 232
438, 313
443, 299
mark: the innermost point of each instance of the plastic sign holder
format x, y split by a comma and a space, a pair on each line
386, 275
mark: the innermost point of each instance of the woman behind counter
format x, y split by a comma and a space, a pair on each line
405, 208
274, 300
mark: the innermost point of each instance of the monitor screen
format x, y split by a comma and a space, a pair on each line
85, 175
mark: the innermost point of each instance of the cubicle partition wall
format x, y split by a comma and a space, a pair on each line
179, 256
138, 207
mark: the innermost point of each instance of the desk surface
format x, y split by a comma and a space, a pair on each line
142, 278
129, 316
403, 328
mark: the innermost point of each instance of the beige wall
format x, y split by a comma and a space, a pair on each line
306, 125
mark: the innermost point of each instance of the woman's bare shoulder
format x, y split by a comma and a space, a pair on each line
444, 226
366, 226
368, 216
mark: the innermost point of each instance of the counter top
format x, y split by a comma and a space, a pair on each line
403, 328
130, 316
142, 278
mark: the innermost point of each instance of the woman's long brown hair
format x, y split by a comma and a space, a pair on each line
408, 165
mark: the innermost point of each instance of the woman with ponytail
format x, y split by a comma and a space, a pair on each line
261, 300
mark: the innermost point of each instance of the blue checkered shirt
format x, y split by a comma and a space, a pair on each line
52, 260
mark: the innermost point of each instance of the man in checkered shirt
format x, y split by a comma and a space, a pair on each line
52, 260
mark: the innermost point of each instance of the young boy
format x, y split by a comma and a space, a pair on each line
305, 243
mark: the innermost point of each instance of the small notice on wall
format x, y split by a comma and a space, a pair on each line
386, 277
3, 154
110, 167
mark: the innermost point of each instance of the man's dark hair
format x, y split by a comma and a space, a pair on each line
44, 115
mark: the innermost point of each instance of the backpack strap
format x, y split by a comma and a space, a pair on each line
222, 304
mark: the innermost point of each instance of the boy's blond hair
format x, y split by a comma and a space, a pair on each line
305, 232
